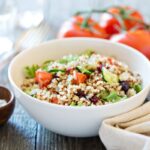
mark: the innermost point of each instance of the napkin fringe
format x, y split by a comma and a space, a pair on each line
134, 122
131, 115
141, 128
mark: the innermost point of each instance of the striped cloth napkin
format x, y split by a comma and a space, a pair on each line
129, 131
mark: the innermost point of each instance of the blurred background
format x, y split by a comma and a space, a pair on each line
62, 9
25, 23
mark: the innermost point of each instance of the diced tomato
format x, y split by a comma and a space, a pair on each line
43, 78
110, 60
79, 77
54, 100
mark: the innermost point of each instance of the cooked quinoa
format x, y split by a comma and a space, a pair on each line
81, 80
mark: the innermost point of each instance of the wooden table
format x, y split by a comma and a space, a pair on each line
23, 133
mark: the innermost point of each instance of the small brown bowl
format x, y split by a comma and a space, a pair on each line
6, 110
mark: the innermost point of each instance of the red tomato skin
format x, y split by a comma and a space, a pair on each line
79, 77
72, 28
43, 78
54, 100
139, 39
111, 25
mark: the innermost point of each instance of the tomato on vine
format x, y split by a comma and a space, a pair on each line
79, 26
122, 17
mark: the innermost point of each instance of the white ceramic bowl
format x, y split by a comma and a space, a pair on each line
69, 120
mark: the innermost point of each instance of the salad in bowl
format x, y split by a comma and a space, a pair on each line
85, 79
70, 91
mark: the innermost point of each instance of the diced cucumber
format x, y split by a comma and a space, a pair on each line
109, 76
73, 103
103, 94
113, 97
137, 88
80, 103
91, 67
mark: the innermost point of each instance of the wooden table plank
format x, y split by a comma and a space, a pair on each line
23, 133
19, 133
48, 140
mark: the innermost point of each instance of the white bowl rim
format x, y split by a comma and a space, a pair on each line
77, 107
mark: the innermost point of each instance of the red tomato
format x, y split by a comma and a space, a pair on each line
54, 100
111, 25
43, 78
79, 77
73, 28
139, 39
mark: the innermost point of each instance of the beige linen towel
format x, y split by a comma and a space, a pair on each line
129, 131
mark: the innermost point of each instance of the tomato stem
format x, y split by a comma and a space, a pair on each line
120, 20
85, 21
118, 17
90, 11
124, 14
146, 26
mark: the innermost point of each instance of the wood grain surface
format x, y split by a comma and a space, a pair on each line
23, 133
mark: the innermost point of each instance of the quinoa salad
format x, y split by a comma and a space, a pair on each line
85, 79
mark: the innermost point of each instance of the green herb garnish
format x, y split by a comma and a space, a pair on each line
46, 64
63, 61
88, 52
56, 70
84, 70
30, 71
